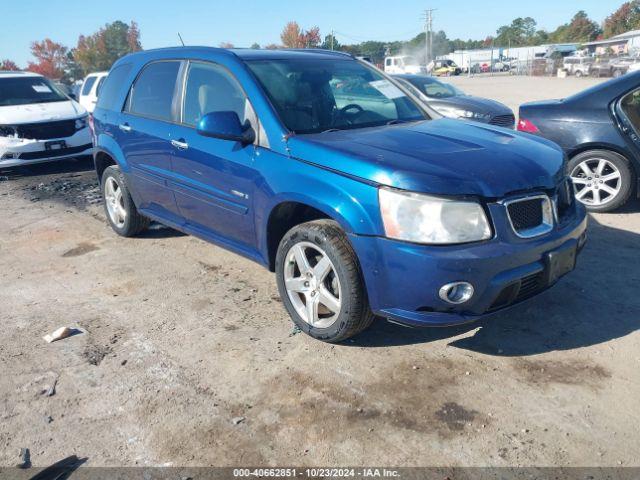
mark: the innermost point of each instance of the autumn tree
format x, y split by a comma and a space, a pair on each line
226, 45
100, 50
7, 64
51, 58
580, 29
293, 36
626, 18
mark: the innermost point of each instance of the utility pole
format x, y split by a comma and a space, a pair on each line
428, 34
332, 37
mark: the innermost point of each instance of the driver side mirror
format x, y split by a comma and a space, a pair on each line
225, 126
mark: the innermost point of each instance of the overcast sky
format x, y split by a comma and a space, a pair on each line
247, 21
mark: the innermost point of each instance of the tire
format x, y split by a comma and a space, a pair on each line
132, 223
617, 73
315, 239
626, 179
578, 74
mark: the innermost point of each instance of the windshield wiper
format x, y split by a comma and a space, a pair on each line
396, 121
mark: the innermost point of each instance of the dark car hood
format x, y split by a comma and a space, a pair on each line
474, 104
441, 156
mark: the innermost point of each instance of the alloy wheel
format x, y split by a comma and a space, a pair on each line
596, 181
115, 202
312, 284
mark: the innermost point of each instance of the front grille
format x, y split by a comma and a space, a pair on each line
47, 130
54, 153
503, 121
525, 214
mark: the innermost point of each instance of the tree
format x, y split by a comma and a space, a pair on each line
100, 50
330, 43
226, 45
626, 18
580, 29
272, 46
51, 58
293, 36
521, 32
255, 46
7, 64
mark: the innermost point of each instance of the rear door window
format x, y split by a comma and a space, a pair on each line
152, 94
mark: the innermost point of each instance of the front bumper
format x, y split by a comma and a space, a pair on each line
16, 151
403, 279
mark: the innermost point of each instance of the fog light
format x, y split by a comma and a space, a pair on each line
456, 292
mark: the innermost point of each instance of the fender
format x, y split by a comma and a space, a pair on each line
106, 144
344, 199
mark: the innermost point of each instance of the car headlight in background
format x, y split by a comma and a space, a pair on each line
81, 123
419, 218
453, 112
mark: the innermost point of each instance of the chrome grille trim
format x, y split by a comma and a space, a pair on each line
548, 215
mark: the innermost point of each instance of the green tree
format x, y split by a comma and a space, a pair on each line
100, 50
255, 46
330, 43
521, 32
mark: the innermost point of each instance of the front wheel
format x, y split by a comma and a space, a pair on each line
320, 283
603, 180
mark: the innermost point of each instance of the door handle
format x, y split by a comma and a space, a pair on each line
125, 127
180, 144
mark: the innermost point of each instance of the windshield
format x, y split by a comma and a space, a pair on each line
26, 90
435, 89
312, 95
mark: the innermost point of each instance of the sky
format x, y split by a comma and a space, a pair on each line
210, 22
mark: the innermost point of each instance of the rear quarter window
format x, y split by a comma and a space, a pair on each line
111, 89
88, 85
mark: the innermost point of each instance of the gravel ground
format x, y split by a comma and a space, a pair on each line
186, 356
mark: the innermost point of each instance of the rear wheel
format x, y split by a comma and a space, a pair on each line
617, 73
320, 283
578, 73
122, 213
603, 180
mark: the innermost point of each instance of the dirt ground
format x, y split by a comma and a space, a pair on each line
186, 356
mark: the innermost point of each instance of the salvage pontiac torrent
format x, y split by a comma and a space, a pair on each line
331, 174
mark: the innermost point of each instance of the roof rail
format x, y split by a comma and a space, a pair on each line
319, 50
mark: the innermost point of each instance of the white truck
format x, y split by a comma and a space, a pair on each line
403, 64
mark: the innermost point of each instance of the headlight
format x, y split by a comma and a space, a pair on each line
8, 131
414, 217
453, 112
81, 123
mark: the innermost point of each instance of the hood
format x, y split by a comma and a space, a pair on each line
444, 156
471, 103
40, 112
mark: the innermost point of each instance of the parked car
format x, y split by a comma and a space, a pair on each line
363, 205
599, 130
452, 102
577, 65
90, 90
403, 64
38, 122
444, 68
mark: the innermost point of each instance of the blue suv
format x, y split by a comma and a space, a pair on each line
332, 174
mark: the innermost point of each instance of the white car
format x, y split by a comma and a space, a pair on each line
90, 90
39, 123
403, 64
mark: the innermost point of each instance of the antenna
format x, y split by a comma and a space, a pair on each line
180, 37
